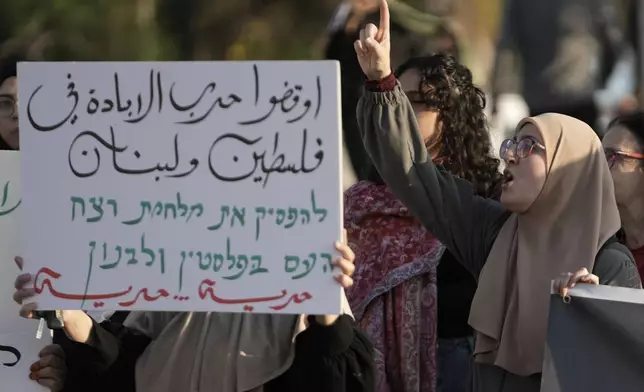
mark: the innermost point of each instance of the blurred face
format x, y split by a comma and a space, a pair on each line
625, 158
426, 117
525, 170
9, 112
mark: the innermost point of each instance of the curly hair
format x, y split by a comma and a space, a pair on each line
463, 140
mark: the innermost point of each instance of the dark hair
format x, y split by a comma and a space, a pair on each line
3, 145
8, 68
633, 121
465, 145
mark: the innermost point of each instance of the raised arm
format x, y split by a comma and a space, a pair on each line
465, 223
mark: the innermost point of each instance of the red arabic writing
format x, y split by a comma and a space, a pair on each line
206, 289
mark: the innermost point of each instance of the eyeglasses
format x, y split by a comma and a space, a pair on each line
520, 149
613, 156
7, 107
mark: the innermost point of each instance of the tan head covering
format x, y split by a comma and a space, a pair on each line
562, 231
215, 352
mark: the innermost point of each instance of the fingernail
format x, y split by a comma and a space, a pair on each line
338, 244
337, 273
335, 261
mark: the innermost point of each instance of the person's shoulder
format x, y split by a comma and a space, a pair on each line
615, 266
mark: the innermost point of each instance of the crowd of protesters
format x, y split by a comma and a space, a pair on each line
448, 261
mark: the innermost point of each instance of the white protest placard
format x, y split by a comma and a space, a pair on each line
19, 347
205, 186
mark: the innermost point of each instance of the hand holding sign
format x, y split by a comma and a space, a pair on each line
345, 268
78, 324
50, 370
373, 48
569, 280
24, 291
19, 347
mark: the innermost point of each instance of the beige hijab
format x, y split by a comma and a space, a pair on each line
215, 352
562, 231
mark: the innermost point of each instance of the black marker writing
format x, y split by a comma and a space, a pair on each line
14, 351
117, 150
259, 164
287, 102
137, 109
71, 93
256, 76
218, 102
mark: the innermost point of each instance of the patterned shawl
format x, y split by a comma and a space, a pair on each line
394, 295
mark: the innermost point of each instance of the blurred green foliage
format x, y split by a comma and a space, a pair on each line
166, 29
163, 29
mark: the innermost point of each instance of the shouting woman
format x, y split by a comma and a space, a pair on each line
557, 210
400, 284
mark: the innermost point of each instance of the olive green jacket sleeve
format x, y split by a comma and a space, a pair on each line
446, 205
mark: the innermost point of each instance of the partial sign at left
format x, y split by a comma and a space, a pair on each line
19, 347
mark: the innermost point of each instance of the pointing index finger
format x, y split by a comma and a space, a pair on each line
383, 29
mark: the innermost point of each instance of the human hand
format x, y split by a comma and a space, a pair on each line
24, 291
77, 323
374, 47
342, 274
567, 280
50, 370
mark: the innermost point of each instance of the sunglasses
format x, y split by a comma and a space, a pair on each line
519, 149
613, 156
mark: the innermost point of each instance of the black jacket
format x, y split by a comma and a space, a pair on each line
327, 359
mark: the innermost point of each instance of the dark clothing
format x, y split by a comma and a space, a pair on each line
5, 147
584, 111
567, 50
80, 359
340, 48
338, 358
327, 359
454, 359
468, 225
639, 259
456, 288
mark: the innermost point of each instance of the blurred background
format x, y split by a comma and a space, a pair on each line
195, 29
294, 29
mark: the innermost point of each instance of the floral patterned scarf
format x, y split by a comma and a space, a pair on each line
394, 295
